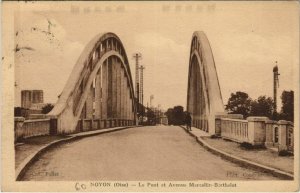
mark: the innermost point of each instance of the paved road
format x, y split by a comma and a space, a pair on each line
146, 153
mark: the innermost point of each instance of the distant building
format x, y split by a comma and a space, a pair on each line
30, 98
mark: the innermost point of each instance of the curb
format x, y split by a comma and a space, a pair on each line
241, 161
24, 166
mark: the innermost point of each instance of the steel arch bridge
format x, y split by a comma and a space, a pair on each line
99, 92
204, 99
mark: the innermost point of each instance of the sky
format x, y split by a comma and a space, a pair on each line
246, 39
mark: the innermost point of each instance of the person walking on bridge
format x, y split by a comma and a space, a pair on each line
188, 121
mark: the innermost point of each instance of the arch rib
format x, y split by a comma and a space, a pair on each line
207, 102
71, 102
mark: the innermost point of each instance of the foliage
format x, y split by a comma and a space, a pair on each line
151, 118
263, 106
287, 110
176, 115
239, 103
170, 116
47, 108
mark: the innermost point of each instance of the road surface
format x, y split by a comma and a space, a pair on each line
145, 153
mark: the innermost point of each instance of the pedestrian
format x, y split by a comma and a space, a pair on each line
188, 121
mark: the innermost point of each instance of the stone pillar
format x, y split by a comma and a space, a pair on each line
104, 90
269, 133
282, 134
257, 130
19, 121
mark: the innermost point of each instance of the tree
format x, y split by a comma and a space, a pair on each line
175, 115
263, 106
287, 109
178, 115
150, 116
170, 116
239, 103
47, 108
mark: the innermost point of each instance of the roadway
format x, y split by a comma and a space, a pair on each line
145, 153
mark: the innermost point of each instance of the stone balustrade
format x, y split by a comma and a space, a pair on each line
94, 124
257, 131
280, 134
30, 128
235, 129
38, 127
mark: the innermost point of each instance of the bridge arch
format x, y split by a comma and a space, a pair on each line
99, 92
204, 99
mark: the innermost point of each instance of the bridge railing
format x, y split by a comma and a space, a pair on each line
235, 129
39, 127
95, 124
257, 131
30, 128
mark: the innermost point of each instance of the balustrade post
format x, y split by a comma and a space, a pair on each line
269, 133
282, 134
257, 130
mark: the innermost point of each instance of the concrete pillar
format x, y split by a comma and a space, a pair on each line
89, 103
257, 130
123, 81
127, 102
269, 133
110, 89
192, 93
130, 108
114, 88
19, 121
282, 135
98, 95
104, 88
118, 87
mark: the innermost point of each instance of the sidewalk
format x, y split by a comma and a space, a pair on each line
30, 146
262, 156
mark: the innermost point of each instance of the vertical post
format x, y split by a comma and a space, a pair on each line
118, 88
282, 135
98, 104
104, 90
137, 56
114, 88
53, 126
123, 79
89, 107
126, 100
269, 133
142, 88
109, 89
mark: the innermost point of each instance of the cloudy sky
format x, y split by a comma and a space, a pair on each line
246, 39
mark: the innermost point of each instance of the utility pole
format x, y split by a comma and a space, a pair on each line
137, 56
275, 86
142, 87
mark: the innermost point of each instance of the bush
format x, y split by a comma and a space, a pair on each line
246, 145
46, 109
214, 136
284, 153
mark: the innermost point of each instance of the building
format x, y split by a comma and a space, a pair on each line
31, 97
